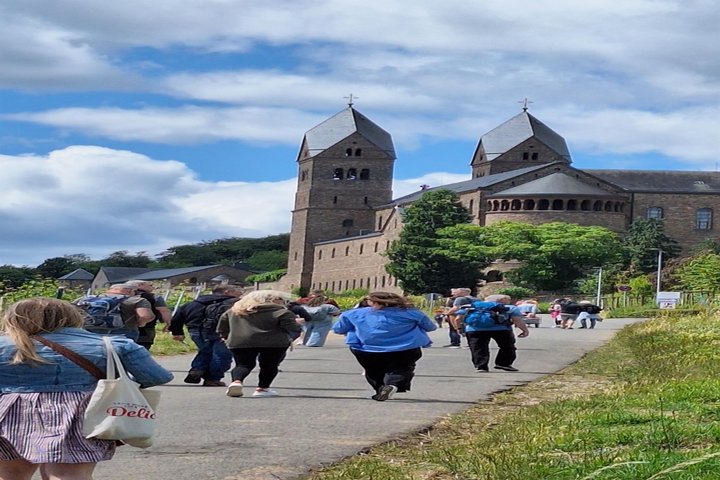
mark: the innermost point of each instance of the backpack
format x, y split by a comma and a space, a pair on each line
214, 311
592, 309
101, 312
483, 315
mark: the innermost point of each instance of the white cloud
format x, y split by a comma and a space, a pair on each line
95, 200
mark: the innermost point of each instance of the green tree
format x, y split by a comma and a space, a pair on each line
701, 272
12, 277
122, 258
416, 258
268, 260
643, 239
553, 256
56, 267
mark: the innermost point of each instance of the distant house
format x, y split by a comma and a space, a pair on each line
78, 278
170, 277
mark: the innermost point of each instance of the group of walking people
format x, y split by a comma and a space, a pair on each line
44, 394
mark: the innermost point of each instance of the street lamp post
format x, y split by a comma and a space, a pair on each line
599, 287
659, 273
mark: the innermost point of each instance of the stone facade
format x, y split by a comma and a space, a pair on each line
345, 219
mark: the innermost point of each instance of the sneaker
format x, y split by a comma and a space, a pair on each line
213, 383
483, 369
451, 346
194, 376
583, 327
264, 392
507, 368
235, 389
386, 393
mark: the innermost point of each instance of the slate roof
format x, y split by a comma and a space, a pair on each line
78, 274
554, 184
121, 274
661, 181
342, 125
518, 129
468, 185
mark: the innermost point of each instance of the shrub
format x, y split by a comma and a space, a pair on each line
516, 293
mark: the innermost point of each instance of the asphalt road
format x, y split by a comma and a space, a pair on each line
324, 412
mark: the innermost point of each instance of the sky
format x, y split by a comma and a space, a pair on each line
139, 125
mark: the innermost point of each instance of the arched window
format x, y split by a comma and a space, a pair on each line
351, 174
585, 205
335, 199
535, 156
515, 204
529, 204
319, 254
597, 206
526, 155
332, 254
376, 246
361, 283
332, 288
338, 175
380, 223
347, 223
295, 257
303, 175
544, 204
471, 206
382, 284
354, 283
361, 248
347, 251
358, 152
703, 219
654, 212
608, 206
504, 205
571, 205
348, 152
558, 204
365, 174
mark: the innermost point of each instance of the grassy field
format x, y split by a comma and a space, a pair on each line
646, 406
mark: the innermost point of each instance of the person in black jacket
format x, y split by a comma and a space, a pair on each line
213, 358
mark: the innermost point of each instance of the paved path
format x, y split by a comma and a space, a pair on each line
324, 413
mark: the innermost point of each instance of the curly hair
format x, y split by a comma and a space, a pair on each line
251, 300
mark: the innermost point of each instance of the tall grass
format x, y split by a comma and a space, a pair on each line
645, 406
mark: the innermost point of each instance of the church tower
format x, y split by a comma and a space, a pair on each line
523, 141
345, 169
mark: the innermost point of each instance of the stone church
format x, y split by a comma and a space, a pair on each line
345, 217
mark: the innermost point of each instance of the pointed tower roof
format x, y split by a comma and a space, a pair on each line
342, 125
554, 184
518, 129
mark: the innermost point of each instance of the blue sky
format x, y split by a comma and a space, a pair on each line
142, 125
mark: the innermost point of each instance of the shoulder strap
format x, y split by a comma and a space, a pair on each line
72, 356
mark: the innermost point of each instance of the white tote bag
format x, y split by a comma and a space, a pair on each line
118, 409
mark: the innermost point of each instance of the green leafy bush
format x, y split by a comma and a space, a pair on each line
517, 293
272, 276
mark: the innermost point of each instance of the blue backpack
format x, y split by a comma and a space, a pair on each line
484, 315
102, 313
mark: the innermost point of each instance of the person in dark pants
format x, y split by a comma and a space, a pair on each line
502, 333
213, 358
458, 298
386, 338
158, 306
258, 328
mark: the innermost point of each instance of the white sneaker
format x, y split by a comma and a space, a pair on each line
386, 393
235, 389
265, 393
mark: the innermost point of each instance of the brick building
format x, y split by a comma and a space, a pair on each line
345, 218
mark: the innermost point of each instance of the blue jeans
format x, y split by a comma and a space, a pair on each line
316, 332
212, 358
454, 335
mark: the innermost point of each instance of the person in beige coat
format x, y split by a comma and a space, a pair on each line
258, 329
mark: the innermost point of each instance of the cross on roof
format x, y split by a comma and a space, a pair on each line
525, 102
350, 99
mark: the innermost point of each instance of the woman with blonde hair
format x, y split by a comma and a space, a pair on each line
258, 328
44, 394
387, 339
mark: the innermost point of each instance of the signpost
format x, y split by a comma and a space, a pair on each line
668, 300
624, 289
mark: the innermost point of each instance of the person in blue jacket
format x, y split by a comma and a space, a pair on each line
387, 338
44, 394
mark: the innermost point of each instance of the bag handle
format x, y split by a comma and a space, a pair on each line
79, 360
113, 361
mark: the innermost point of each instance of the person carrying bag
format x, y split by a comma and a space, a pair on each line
52, 368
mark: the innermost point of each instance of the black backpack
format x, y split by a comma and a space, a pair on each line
214, 311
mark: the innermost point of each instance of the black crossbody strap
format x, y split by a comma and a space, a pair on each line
72, 356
